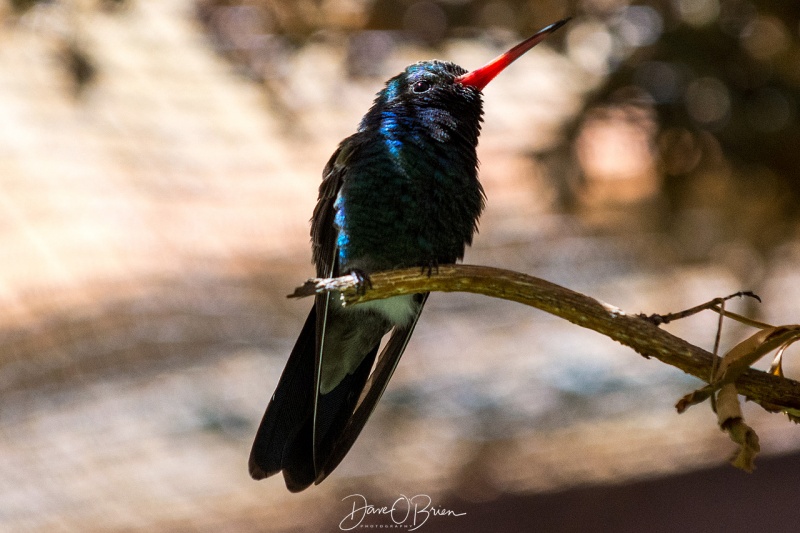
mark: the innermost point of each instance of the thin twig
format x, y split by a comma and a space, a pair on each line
715, 363
741, 319
712, 304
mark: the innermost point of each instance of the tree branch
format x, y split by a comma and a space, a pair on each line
771, 392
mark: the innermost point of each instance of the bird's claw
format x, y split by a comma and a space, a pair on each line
430, 268
363, 281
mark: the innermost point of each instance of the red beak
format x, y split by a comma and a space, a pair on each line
481, 77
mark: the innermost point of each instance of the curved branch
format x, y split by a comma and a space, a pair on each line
772, 392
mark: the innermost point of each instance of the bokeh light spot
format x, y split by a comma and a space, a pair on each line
590, 46
663, 81
765, 37
697, 12
640, 25
708, 101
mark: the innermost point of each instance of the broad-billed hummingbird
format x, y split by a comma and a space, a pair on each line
403, 191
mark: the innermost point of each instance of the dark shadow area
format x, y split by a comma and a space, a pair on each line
715, 499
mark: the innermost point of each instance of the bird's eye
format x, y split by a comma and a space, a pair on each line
421, 86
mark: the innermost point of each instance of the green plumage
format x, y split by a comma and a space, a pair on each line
410, 195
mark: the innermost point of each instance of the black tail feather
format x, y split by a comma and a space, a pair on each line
284, 440
290, 407
333, 414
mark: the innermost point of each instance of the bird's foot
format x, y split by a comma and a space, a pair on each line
430, 268
363, 281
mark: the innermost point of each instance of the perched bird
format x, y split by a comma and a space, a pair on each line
402, 191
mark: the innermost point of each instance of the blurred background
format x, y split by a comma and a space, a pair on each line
159, 161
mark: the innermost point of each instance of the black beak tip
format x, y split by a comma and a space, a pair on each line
554, 26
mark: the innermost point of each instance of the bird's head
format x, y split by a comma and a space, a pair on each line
442, 96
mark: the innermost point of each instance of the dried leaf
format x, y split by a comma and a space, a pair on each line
776, 368
729, 416
693, 398
739, 359
777, 364
742, 434
753, 348
728, 404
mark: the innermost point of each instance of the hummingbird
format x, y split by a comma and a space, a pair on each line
401, 192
